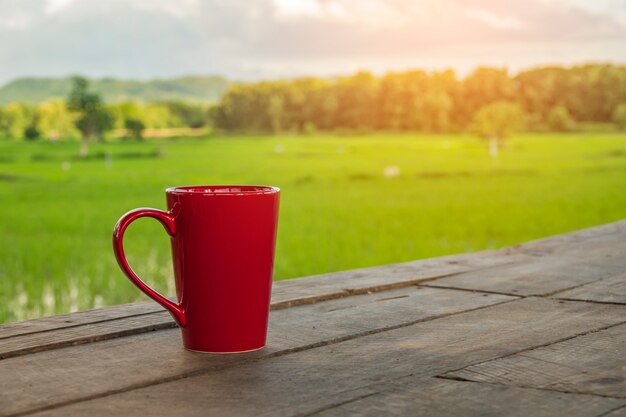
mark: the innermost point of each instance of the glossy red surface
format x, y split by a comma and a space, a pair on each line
223, 240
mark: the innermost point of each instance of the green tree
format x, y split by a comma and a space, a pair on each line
31, 132
619, 116
158, 116
482, 87
539, 90
560, 120
275, 110
134, 128
435, 112
15, 119
497, 121
93, 119
55, 121
421, 101
399, 101
188, 114
124, 111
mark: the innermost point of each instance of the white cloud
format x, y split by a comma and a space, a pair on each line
179, 8
13, 23
296, 8
614, 8
368, 13
57, 6
266, 38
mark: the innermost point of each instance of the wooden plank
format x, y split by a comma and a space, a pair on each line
618, 412
539, 276
75, 335
101, 324
436, 397
557, 263
284, 293
365, 280
591, 364
302, 381
591, 241
68, 374
608, 290
76, 319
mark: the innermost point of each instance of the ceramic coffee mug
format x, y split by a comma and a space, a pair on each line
223, 240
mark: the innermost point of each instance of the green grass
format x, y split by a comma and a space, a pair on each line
338, 211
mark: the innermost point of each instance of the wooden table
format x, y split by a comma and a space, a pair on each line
533, 330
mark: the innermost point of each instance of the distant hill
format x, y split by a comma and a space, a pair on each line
195, 89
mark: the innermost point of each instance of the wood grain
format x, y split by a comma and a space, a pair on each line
118, 364
592, 364
380, 278
591, 242
608, 290
538, 276
357, 341
617, 412
433, 397
75, 335
76, 319
302, 381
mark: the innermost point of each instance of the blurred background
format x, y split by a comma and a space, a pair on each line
397, 130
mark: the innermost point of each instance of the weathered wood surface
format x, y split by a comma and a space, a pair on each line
491, 333
432, 398
158, 356
594, 363
302, 381
77, 319
539, 276
607, 290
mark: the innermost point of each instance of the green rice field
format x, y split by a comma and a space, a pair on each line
346, 202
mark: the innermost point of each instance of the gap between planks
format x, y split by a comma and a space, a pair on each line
450, 375
307, 350
552, 295
461, 379
167, 323
279, 305
242, 362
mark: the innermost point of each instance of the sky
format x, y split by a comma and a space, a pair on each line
256, 39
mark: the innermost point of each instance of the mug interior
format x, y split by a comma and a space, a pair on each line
223, 189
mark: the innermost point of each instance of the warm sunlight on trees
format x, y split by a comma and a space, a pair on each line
555, 99
619, 116
497, 121
560, 120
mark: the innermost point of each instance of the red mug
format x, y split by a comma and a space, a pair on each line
223, 239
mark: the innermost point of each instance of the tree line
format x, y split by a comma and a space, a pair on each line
489, 101
548, 98
83, 114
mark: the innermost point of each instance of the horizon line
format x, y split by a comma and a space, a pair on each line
429, 70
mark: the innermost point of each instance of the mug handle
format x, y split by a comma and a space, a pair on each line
167, 220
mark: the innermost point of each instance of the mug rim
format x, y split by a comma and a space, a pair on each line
222, 190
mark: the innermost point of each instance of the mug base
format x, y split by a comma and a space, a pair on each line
224, 353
